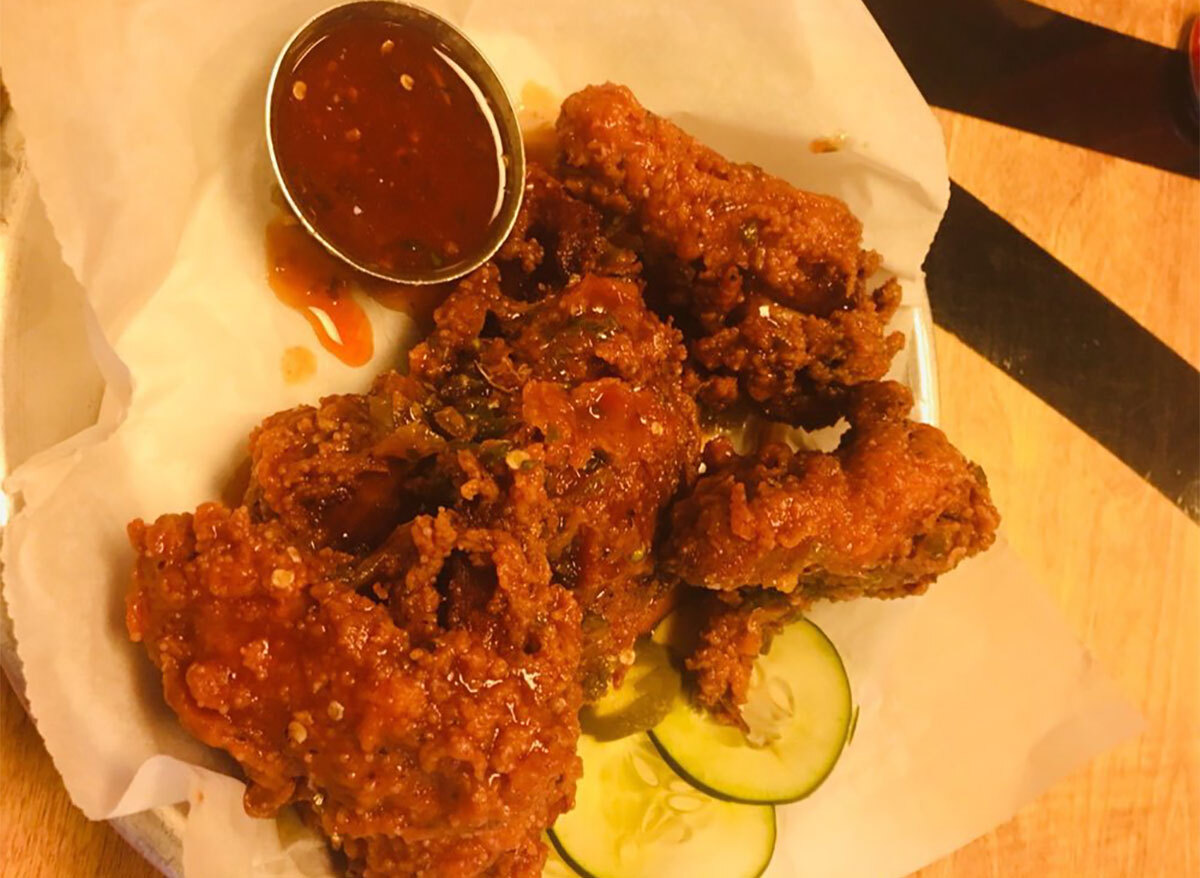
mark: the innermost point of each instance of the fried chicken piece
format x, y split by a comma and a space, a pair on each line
768, 282
733, 225
564, 417
426, 722
895, 506
735, 628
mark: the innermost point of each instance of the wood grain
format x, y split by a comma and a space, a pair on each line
1121, 561
41, 833
1127, 229
1156, 21
1123, 565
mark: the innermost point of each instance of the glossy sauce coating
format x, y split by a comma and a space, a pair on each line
387, 148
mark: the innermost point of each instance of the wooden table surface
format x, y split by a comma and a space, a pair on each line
1122, 562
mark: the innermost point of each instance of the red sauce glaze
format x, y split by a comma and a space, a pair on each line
386, 149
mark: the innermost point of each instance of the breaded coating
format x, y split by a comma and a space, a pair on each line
439, 741
734, 225
328, 473
794, 367
768, 282
894, 507
557, 239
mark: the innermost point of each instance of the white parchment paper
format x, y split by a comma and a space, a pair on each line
143, 122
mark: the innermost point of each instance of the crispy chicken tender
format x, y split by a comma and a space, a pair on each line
894, 507
769, 282
795, 367
426, 723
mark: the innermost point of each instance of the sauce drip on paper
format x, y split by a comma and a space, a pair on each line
324, 289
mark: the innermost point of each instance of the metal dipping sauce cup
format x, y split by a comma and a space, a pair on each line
494, 100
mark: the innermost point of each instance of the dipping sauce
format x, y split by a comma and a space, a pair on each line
388, 148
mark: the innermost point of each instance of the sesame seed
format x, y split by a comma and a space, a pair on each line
406, 81
292, 551
299, 89
297, 732
386, 47
336, 711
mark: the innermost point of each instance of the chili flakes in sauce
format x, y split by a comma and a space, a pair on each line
388, 148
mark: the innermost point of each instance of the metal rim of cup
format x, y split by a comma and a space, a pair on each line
472, 60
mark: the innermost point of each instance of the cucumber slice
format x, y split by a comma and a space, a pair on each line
647, 694
798, 710
635, 818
